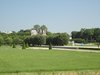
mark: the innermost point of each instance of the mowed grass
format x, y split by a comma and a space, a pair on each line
18, 60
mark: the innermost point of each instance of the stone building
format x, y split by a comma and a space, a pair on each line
34, 32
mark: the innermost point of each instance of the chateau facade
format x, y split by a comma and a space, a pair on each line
34, 32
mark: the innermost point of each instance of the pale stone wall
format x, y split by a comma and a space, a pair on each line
33, 32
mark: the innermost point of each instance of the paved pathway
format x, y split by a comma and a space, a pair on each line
66, 49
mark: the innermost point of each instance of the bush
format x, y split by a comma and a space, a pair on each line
79, 40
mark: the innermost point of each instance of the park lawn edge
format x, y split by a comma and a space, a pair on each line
43, 70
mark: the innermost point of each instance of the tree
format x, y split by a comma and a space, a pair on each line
96, 33
28, 40
49, 39
16, 40
57, 39
27, 32
1, 40
21, 33
8, 41
39, 40
49, 33
61, 39
26, 45
35, 40
98, 41
43, 28
88, 34
31, 41
37, 28
74, 33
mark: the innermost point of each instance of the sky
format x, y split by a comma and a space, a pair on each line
57, 15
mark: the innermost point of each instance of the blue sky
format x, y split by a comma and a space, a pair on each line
57, 15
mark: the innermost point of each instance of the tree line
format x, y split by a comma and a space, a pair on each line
24, 36
86, 35
58, 39
14, 37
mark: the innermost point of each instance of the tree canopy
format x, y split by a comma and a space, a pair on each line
89, 35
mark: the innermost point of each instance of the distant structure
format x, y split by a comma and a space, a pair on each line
43, 32
7, 32
34, 32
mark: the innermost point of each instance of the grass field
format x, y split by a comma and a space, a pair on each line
18, 60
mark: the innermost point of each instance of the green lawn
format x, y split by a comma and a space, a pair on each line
18, 60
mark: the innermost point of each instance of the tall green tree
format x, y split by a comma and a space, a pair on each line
96, 33
43, 28
98, 41
39, 40
1, 40
49, 39
76, 34
73, 34
60, 39
37, 28
88, 34
50, 46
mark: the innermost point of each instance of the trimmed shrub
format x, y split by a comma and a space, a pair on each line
50, 46
23, 46
26, 45
13, 46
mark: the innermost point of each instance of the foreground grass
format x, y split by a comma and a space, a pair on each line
56, 73
18, 60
